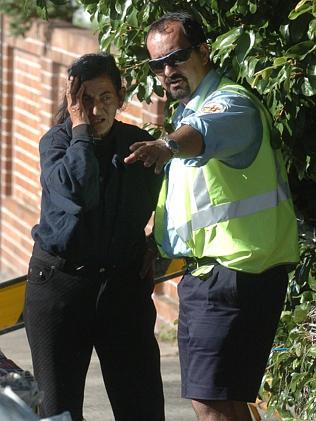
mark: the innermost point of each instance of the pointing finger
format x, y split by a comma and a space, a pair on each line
130, 159
136, 146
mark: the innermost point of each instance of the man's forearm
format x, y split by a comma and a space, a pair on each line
189, 141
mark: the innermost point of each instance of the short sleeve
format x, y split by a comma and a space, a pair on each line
231, 128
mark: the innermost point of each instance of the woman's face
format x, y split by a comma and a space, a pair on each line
101, 101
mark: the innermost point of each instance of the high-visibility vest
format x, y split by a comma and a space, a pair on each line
243, 218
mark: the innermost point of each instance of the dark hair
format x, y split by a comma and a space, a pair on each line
192, 30
87, 67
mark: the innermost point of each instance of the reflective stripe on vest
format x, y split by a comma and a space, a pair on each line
210, 215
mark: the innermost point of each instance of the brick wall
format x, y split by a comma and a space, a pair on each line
33, 72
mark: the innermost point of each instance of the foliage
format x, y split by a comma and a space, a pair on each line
270, 47
290, 382
22, 13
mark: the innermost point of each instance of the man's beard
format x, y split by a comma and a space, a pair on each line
180, 92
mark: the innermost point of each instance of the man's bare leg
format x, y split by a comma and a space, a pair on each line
221, 410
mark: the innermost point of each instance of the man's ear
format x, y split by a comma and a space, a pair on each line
205, 53
122, 94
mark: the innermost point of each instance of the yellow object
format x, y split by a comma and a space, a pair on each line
11, 302
176, 265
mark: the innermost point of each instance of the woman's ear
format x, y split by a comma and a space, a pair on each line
122, 94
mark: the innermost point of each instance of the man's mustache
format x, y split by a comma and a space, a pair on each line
174, 78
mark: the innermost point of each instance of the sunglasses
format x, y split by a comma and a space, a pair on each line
175, 58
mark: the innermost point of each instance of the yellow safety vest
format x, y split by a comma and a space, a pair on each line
243, 218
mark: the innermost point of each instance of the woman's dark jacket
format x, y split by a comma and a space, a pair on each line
94, 207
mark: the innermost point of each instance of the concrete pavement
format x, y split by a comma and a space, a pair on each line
96, 405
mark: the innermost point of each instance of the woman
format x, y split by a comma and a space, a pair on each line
84, 285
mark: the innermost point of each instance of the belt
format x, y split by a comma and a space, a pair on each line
195, 262
65, 265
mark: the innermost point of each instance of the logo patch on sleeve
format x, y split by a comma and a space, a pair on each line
212, 107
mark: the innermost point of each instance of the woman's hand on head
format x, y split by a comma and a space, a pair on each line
74, 95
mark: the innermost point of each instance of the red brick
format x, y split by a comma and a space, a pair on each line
20, 169
25, 119
6, 165
21, 212
28, 147
6, 127
6, 189
7, 113
21, 102
33, 162
24, 183
25, 200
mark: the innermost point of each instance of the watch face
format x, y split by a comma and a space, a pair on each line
172, 145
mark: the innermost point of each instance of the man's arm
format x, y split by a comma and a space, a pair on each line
228, 127
190, 143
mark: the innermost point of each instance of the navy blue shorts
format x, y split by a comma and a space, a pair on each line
227, 324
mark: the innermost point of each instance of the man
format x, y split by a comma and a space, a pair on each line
89, 282
224, 206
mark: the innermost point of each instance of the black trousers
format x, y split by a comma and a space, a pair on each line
67, 314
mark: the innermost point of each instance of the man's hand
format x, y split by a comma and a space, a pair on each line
151, 153
74, 93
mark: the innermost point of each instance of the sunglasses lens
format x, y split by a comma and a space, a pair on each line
172, 59
156, 66
179, 56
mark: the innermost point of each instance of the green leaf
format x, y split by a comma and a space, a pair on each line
307, 296
309, 86
118, 7
227, 39
132, 18
312, 30
312, 283
279, 61
311, 70
304, 6
244, 45
312, 352
127, 5
301, 50
252, 7
301, 312
285, 32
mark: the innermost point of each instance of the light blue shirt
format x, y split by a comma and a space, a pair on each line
232, 131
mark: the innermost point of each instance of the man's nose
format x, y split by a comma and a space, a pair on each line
168, 70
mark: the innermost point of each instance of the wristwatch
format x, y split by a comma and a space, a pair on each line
172, 145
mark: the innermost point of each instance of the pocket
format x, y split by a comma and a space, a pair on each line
39, 273
223, 287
